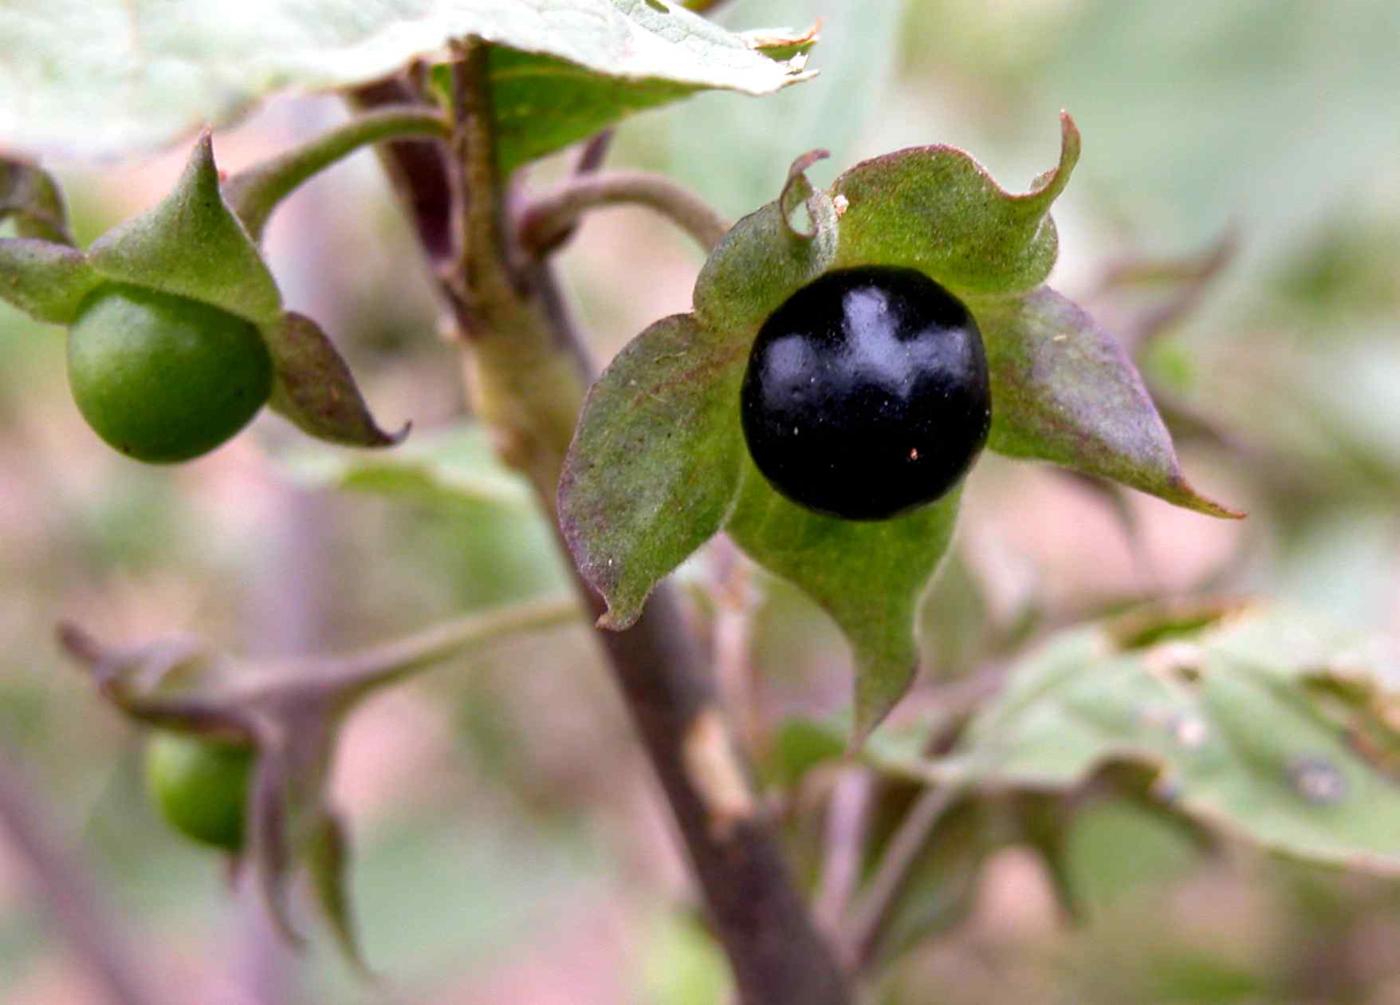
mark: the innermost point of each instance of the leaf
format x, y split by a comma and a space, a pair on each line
869, 576
1242, 734
315, 390
543, 103
449, 467
112, 76
654, 465
937, 210
799, 745
48, 281
1064, 391
192, 245
30, 196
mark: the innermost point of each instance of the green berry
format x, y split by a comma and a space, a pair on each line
164, 378
200, 786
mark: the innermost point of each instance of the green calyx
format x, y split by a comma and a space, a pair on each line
659, 464
200, 786
163, 378
178, 335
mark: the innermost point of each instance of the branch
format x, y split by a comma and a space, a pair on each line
482, 265
847, 824
418, 172
872, 911
65, 887
256, 192
529, 374
356, 673
554, 216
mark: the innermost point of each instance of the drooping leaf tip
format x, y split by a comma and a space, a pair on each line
617, 619
797, 190
1048, 187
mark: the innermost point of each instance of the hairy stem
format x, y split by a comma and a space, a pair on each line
67, 892
528, 372
555, 215
256, 192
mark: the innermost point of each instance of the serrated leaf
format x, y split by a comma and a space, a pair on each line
1064, 391
107, 77
654, 465
1240, 742
315, 390
937, 210
30, 196
869, 576
192, 245
46, 280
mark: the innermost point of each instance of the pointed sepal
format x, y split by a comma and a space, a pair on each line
48, 281
33, 200
328, 861
315, 390
192, 245
767, 257
868, 575
937, 210
654, 465
1064, 391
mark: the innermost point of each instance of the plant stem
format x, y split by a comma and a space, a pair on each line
847, 824
67, 891
256, 192
872, 910
555, 215
358, 672
528, 371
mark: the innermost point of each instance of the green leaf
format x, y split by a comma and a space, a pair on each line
315, 390
937, 210
869, 576
450, 467
655, 462
544, 103
30, 196
1064, 391
1245, 735
192, 245
48, 281
799, 745
112, 76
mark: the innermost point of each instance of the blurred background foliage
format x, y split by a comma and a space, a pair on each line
509, 845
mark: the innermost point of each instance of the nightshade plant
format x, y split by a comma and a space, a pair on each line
178, 334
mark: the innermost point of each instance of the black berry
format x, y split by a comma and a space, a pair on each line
866, 393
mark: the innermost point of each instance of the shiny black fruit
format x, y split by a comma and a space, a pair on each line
866, 393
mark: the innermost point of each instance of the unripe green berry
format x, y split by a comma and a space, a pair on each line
200, 786
164, 378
